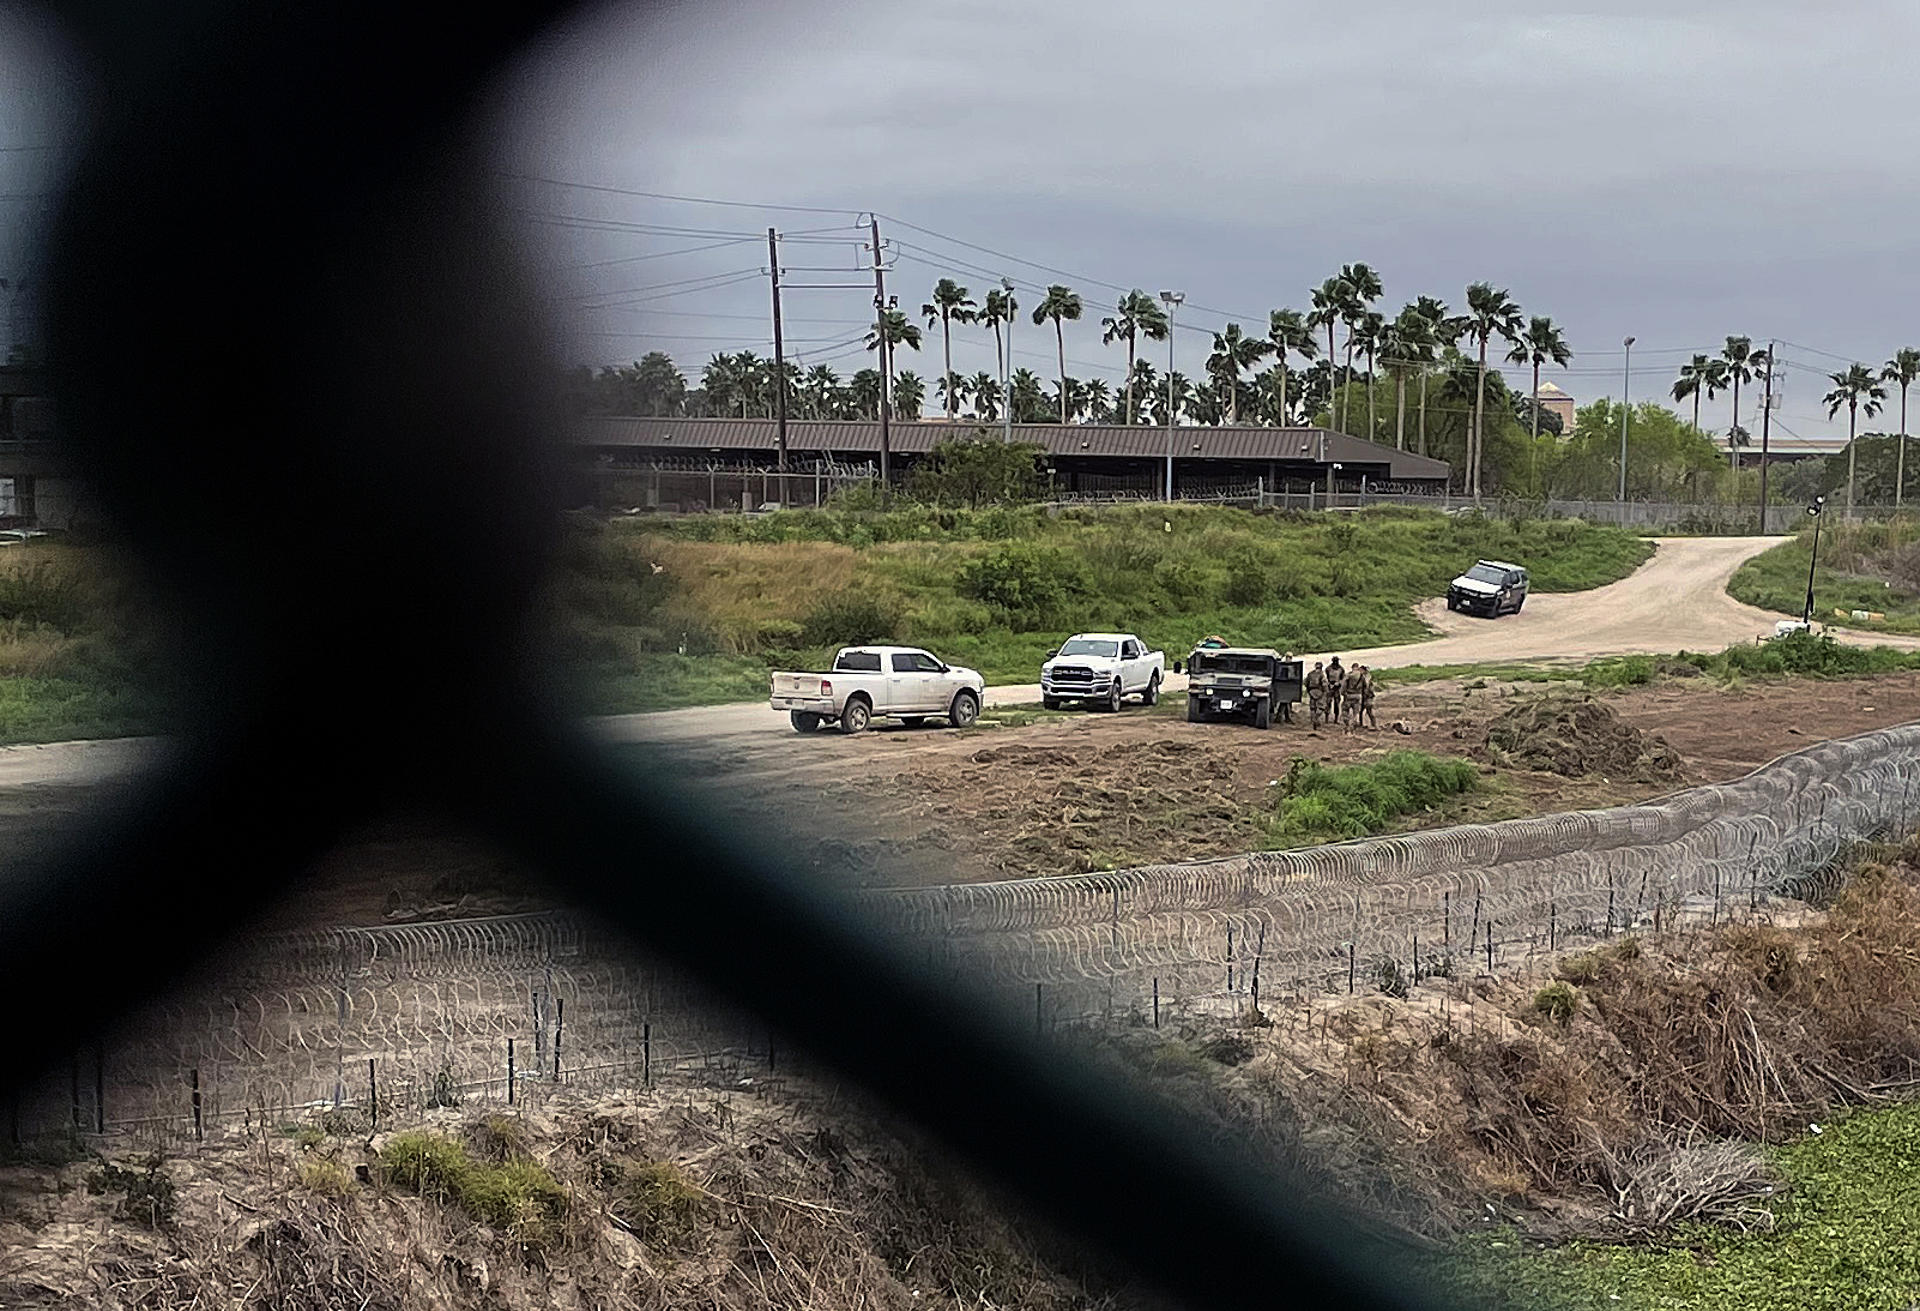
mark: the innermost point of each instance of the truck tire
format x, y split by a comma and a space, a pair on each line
1151, 697
855, 715
1193, 711
965, 709
1263, 713
1114, 698
804, 721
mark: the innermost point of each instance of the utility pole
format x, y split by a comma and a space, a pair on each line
1626, 385
1766, 424
779, 361
886, 359
1173, 301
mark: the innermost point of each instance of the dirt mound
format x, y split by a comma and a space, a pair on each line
1029, 756
1577, 738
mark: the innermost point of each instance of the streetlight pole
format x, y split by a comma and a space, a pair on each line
1626, 384
1172, 300
1006, 365
1819, 503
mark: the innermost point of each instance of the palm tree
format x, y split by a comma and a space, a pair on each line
1701, 375
1029, 400
1903, 370
1856, 388
818, 391
1445, 330
1366, 335
1491, 312
1740, 357
1060, 305
1407, 343
1233, 352
1000, 308
1181, 390
1363, 289
954, 391
863, 394
1329, 305
1287, 331
950, 305
1137, 315
1099, 400
909, 394
894, 329
1144, 379
985, 390
1541, 343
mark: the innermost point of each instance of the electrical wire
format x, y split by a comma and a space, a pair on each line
683, 200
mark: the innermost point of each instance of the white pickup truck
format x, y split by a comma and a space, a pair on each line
1102, 669
901, 681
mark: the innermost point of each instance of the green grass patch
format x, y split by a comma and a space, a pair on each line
731, 597
1871, 567
1317, 804
519, 1197
1840, 1242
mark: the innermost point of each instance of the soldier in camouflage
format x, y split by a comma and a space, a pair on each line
1316, 684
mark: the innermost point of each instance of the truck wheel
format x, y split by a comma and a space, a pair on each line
1114, 697
965, 709
804, 721
855, 715
1193, 711
1151, 697
1263, 713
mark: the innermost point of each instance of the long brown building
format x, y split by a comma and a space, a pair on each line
659, 461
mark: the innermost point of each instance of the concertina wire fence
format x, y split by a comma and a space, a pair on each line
411, 1016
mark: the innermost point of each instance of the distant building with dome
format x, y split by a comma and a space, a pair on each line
1554, 401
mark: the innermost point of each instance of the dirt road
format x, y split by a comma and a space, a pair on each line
1676, 601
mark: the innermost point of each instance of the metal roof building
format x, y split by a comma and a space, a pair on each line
1084, 456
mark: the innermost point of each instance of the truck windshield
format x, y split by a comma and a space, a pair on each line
1206, 662
1486, 573
1086, 646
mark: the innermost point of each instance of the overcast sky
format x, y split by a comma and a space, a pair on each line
1677, 172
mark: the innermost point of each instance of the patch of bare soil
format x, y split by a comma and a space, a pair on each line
1576, 737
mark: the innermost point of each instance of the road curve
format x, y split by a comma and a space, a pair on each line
1675, 601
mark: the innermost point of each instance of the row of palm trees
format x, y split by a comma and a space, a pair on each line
1856, 389
1410, 347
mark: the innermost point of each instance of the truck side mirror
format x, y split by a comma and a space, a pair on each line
1051, 654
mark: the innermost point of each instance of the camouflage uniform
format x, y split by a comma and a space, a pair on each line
1316, 683
1351, 692
1365, 710
1336, 685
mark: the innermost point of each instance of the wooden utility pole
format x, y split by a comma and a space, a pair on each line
886, 358
1766, 426
779, 361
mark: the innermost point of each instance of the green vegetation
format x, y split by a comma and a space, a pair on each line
147, 1193
76, 659
697, 610
1870, 566
656, 1201
1833, 1247
518, 1196
1318, 804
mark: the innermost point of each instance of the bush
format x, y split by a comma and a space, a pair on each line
148, 1192
520, 1197
1031, 585
854, 617
1318, 804
657, 1201
323, 1175
1557, 1001
1582, 969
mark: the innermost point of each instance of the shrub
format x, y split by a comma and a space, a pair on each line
148, 1196
323, 1175
1029, 584
519, 1197
1321, 804
1557, 1001
854, 616
1582, 969
657, 1201
1619, 671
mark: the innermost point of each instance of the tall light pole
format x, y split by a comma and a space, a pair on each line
1819, 504
1006, 365
1626, 383
1172, 300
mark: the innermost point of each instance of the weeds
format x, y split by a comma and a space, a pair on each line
1558, 1002
147, 1192
1318, 804
323, 1175
521, 1198
656, 1201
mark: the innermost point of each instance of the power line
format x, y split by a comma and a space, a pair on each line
657, 286
684, 200
657, 254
